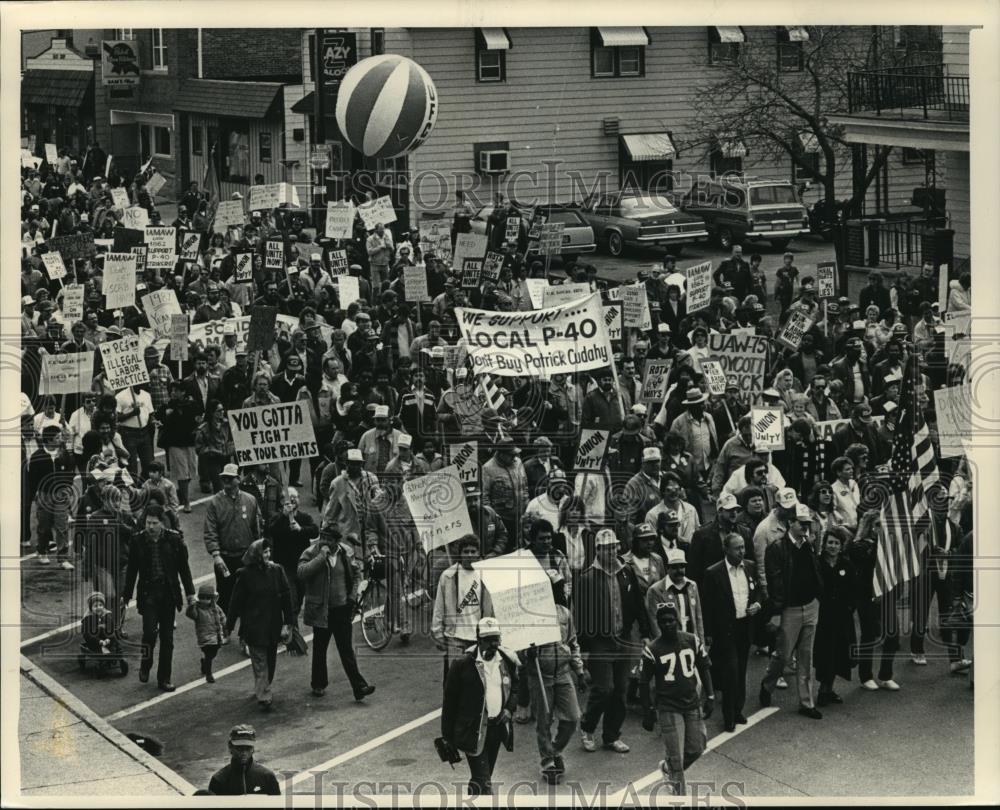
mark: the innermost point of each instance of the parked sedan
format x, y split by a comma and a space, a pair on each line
641, 219
578, 236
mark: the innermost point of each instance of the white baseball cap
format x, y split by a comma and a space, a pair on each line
787, 497
651, 454
405, 440
355, 455
605, 537
381, 411
488, 626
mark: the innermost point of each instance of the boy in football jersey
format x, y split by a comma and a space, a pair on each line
673, 660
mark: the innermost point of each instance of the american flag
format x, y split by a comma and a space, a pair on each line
494, 396
906, 518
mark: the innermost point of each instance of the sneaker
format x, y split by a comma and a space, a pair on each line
960, 667
890, 684
43, 559
920, 660
589, 744
870, 685
782, 683
618, 746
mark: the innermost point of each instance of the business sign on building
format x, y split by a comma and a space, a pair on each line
120, 63
336, 53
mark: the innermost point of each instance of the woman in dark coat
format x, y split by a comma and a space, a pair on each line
291, 531
262, 604
835, 629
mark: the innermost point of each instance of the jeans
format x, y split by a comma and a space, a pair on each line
796, 634
158, 622
263, 659
339, 625
730, 658
923, 589
609, 668
481, 765
139, 443
684, 740
53, 525
879, 622
563, 707
397, 609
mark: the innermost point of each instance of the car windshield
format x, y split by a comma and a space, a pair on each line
648, 204
569, 218
771, 195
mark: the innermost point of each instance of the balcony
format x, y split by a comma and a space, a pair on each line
912, 92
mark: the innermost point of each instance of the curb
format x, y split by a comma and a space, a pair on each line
73, 704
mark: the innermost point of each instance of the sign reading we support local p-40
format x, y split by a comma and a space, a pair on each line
271, 433
557, 340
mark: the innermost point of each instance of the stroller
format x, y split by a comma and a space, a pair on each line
101, 647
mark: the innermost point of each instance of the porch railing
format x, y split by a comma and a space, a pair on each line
912, 91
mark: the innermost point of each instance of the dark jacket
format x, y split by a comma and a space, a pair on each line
234, 780
592, 613
314, 580
214, 390
173, 558
840, 369
536, 474
463, 714
179, 425
287, 545
778, 573
49, 479
261, 599
103, 539
706, 549
718, 608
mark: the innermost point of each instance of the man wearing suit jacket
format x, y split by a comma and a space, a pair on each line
158, 558
731, 597
201, 385
480, 695
539, 468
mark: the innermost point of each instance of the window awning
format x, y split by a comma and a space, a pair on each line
649, 146
732, 147
796, 33
730, 33
61, 88
623, 37
305, 105
127, 117
810, 144
235, 99
495, 39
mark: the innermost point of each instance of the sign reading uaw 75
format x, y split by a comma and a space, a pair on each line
337, 52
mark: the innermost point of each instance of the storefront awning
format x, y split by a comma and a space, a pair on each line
128, 117
234, 99
495, 39
649, 146
796, 33
62, 88
732, 148
810, 144
305, 105
623, 37
730, 33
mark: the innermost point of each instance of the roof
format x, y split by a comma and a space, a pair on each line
236, 99
305, 105
63, 88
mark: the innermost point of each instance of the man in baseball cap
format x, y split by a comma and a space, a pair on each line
243, 776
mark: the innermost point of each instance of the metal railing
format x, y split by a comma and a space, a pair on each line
898, 244
911, 91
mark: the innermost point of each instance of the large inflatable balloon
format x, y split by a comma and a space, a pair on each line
386, 106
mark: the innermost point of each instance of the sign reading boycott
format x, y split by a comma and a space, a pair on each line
796, 326
557, 340
67, 373
699, 286
274, 255
521, 593
437, 506
743, 357
768, 429
590, 453
270, 433
123, 363
465, 458
654, 387
826, 279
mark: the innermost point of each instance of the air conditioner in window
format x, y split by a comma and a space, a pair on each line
494, 162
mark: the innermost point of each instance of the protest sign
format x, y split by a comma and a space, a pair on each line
264, 198
513, 230
768, 429
140, 259
161, 247
826, 280
654, 386
340, 220
635, 307
123, 362
54, 267
73, 246
135, 218
377, 211
699, 286
824, 430
943, 288
119, 280
127, 238
338, 262
590, 452
743, 357
521, 594
471, 271
155, 183
229, 214
536, 291
715, 376
179, 337
29, 161
492, 265
159, 306
550, 238
211, 333
468, 246
51, 154
554, 295
261, 333
796, 326
415, 284
591, 487
72, 303
536, 220
437, 506
953, 407
348, 290
557, 340
70, 373
274, 255
613, 321
104, 245
243, 267
270, 433
464, 457
119, 198
188, 245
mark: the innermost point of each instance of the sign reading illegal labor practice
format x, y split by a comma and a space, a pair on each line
123, 362
743, 357
437, 506
768, 429
270, 433
521, 593
557, 340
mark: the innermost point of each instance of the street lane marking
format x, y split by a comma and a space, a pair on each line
719, 739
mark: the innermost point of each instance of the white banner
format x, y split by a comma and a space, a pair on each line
521, 593
558, 294
377, 211
67, 373
468, 246
348, 290
559, 340
228, 214
123, 362
437, 505
270, 433
953, 407
119, 280
536, 291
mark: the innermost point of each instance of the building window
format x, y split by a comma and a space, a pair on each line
613, 62
264, 146
197, 144
721, 164
161, 142
491, 55
124, 33
800, 173
234, 143
917, 157
159, 50
724, 44
378, 41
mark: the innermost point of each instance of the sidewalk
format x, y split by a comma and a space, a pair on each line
67, 750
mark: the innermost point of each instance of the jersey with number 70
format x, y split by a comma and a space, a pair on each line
674, 666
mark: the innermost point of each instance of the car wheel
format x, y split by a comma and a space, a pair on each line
616, 245
725, 239
780, 244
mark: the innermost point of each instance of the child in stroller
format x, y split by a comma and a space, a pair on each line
101, 645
